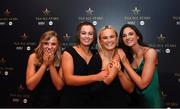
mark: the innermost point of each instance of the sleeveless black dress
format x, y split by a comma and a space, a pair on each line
96, 94
45, 93
103, 95
77, 96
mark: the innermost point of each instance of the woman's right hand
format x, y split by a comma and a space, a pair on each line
48, 56
102, 75
113, 69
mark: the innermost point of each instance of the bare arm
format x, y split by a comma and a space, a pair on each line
33, 77
56, 77
113, 69
147, 72
124, 79
77, 80
126, 82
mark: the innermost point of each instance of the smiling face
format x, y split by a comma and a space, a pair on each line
50, 45
108, 39
86, 35
129, 37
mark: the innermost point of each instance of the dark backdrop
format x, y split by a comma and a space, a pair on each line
23, 21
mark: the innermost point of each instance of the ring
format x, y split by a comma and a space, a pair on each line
111, 65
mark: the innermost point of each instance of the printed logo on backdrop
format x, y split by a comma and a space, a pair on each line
23, 43
172, 103
163, 45
66, 41
178, 76
46, 18
5, 68
8, 19
2, 61
169, 100
19, 96
136, 18
176, 19
89, 15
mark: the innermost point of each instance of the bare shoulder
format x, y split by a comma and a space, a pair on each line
119, 49
33, 56
120, 52
66, 56
65, 53
150, 52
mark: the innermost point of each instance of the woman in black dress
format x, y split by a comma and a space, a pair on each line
109, 94
77, 65
44, 74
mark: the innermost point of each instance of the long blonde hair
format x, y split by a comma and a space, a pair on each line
39, 49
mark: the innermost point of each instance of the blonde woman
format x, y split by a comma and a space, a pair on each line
44, 73
110, 92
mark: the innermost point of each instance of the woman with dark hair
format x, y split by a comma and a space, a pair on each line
44, 74
140, 68
77, 64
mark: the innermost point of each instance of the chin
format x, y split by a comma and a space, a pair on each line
129, 45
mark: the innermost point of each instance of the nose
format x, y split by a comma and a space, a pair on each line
109, 39
87, 35
127, 37
49, 46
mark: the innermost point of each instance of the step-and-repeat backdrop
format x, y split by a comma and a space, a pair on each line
23, 21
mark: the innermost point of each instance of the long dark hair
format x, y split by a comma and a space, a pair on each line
127, 49
78, 29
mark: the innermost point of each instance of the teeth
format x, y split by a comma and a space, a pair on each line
109, 44
86, 40
129, 41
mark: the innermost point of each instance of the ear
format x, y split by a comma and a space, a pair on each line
137, 37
